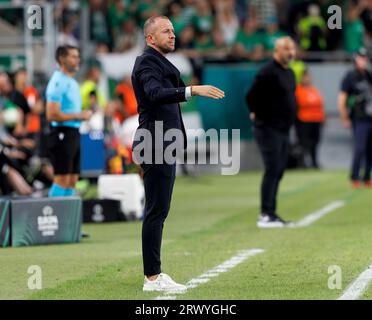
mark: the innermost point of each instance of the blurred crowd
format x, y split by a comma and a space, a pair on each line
220, 29
217, 30
25, 168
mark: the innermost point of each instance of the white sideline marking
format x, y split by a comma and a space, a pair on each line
359, 285
206, 276
312, 217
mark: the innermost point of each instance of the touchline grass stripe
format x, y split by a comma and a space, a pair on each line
224, 267
358, 286
316, 215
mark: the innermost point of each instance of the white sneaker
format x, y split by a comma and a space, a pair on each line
163, 283
271, 221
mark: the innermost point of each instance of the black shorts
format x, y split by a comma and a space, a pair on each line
64, 150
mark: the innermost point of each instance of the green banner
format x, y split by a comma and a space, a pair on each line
232, 111
11, 63
45, 221
4, 223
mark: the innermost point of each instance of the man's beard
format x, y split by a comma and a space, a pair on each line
166, 50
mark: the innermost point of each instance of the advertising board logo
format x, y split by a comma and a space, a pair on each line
98, 213
47, 223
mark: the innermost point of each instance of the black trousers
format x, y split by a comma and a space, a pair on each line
362, 135
308, 135
273, 145
158, 181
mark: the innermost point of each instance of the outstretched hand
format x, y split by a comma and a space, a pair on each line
207, 91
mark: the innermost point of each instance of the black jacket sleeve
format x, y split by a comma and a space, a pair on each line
150, 75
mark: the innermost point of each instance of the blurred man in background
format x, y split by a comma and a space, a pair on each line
90, 87
124, 91
312, 30
355, 107
65, 114
16, 171
272, 103
32, 97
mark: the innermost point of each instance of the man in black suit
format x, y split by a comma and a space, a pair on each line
159, 90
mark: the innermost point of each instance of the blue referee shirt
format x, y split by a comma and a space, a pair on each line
66, 91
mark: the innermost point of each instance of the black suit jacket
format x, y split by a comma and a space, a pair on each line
159, 89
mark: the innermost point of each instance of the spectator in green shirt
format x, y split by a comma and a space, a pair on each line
354, 28
211, 45
203, 41
188, 10
177, 18
249, 42
130, 36
271, 34
118, 13
99, 25
148, 8
203, 19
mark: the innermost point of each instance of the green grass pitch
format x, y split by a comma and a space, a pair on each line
211, 219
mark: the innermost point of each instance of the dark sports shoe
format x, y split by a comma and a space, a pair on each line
368, 184
84, 234
356, 184
271, 221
